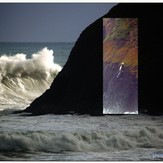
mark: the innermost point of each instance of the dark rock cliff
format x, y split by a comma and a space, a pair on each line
78, 87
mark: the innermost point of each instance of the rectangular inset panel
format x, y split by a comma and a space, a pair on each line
120, 66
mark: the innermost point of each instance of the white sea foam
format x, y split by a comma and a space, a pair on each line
80, 137
88, 141
117, 110
23, 79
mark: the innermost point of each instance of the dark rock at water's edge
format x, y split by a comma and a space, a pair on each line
150, 35
78, 87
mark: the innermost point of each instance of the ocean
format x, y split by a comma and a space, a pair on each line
26, 71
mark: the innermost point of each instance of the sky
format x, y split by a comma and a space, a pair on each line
47, 22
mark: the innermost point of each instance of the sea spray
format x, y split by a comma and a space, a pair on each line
23, 79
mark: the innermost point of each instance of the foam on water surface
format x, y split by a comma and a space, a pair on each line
96, 138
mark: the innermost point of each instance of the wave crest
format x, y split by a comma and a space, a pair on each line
23, 79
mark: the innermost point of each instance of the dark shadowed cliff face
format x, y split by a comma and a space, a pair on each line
150, 34
79, 86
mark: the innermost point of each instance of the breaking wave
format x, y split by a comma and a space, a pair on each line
23, 79
94, 141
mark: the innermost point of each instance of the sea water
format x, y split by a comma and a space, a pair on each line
26, 71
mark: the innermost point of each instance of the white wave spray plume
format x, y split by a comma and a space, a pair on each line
23, 79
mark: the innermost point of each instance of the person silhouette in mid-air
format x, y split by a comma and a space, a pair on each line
120, 69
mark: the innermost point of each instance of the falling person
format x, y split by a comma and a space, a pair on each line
120, 69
